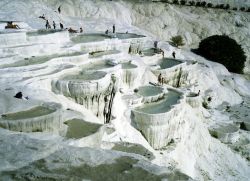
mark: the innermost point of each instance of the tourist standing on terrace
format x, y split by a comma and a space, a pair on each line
54, 25
113, 28
173, 54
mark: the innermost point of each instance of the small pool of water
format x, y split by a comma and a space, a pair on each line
96, 66
31, 113
128, 65
101, 53
162, 106
168, 63
230, 128
133, 148
150, 52
146, 91
85, 76
128, 35
42, 32
39, 60
86, 38
78, 128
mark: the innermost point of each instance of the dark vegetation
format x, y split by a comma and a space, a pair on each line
224, 50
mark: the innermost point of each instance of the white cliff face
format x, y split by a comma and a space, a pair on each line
194, 126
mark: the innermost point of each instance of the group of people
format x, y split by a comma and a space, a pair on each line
47, 24
107, 31
160, 79
71, 30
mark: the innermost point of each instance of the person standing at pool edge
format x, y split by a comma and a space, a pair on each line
113, 28
160, 79
47, 24
61, 26
54, 25
173, 54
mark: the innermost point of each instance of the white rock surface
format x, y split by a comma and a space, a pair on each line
180, 133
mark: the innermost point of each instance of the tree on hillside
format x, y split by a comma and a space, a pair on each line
177, 40
224, 50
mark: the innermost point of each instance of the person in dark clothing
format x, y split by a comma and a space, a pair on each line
47, 25
130, 49
198, 93
59, 9
173, 54
105, 110
107, 32
71, 30
54, 25
155, 46
162, 52
113, 28
81, 30
19, 95
160, 79
61, 26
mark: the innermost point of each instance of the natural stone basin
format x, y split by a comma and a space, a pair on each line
82, 84
226, 133
149, 90
150, 52
168, 63
36, 119
128, 65
151, 93
86, 38
132, 99
85, 76
97, 54
42, 32
128, 35
155, 120
78, 128
35, 60
133, 148
87, 88
162, 106
98, 66
33, 112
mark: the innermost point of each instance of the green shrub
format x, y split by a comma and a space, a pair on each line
191, 3
177, 40
224, 50
210, 5
175, 2
183, 2
203, 3
242, 9
198, 3
221, 6
235, 9
217, 6
227, 6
